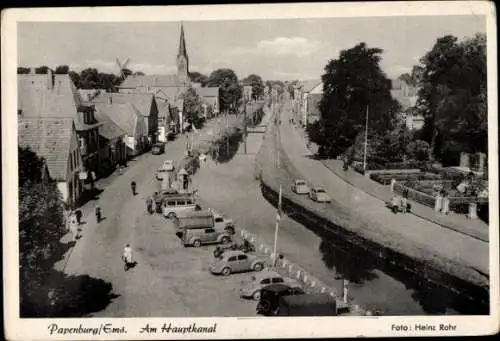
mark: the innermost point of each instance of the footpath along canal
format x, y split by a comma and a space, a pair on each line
231, 188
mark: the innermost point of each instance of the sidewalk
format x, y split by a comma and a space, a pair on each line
367, 215
476, 228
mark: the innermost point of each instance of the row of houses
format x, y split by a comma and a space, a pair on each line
83, 134
307, 96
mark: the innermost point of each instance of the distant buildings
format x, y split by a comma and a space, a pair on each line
407, 96
170, 88
306, 98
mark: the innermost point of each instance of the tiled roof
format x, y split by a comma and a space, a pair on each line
43, 96
109, 129
141, 101
208, 92
125, 116
49, 138
151, 81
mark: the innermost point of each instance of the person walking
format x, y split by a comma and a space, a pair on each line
404, 201
127, 257
98, 214
133, 186
78, 215
446, 202
149, 205
439, 201
74, 228
393, 182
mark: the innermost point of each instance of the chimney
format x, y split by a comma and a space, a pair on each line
50, 79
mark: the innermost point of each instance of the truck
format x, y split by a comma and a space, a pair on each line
203, 219
307, 305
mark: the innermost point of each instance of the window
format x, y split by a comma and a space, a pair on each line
265, 281
75, 158
242, 257
209, 231
181, 202
219, 220
278, 280
232, 259
171, 203
71, 166
189, 202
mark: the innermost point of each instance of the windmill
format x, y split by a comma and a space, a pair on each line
122, 67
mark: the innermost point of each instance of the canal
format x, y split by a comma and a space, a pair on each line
231, 188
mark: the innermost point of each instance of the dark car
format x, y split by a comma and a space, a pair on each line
158, 148
161, 195
307, 305
270, 297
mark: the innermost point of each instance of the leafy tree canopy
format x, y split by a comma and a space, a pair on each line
352, 83
257, 85
230, 90
197, 77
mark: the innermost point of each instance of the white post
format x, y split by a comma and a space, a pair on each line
278, 218
366, 140
346, 290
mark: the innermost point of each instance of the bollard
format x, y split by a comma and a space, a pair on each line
313, 284
283, 263
298, 274
252, 239
332, 294
323, 289
290, 267
305, 279
266, 250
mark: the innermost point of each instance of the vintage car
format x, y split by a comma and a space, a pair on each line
158, 148
197, 237
252, 288
235, 261
270, 297
318, 194
299, 186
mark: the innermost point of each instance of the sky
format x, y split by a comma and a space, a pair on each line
285, 49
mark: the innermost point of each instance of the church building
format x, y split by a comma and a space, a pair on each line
169, 88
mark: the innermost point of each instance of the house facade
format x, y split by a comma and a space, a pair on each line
310, 94
407, 97
55, 96
55, 140
127, 118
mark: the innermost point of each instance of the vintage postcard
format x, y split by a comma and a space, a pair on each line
198, 172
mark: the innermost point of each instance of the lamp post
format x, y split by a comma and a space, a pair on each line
245, 125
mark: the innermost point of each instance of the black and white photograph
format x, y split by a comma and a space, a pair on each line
195, 171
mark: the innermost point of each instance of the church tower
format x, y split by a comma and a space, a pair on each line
182, 60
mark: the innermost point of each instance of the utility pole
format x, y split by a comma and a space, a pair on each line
366, 140
245, 124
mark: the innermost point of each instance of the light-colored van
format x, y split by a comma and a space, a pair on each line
178, 203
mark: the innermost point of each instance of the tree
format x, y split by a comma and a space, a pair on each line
23, 70
257, 85
452, 95
352, 83
192, 107
62, 69
197, 77
40, 226
42, 70
75, 78
230, 90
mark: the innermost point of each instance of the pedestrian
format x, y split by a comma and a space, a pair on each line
74, 228
149, 205
120, 170
438, 201
393, 182
133, 186
127, 257
98, 214
78, 216
446, 202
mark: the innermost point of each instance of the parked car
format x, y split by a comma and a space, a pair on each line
158, 148
307, 305
162, 195
197, 237
168, 165
235, 261
300, 187
178, 203
270, 297
200, 219
251, 289
318, 194
222, 222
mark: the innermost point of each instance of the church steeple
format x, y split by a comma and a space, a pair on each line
182, 59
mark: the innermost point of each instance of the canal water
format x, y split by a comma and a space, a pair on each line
230, 187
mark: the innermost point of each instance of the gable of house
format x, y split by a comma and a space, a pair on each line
125, 116
50, 138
